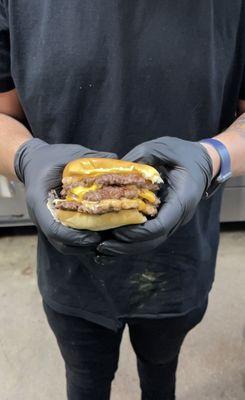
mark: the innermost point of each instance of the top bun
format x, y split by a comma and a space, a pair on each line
96, 166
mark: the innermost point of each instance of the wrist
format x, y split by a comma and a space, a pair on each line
22, 155
215, 157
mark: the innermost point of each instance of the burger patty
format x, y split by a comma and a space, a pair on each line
106, 206
112, 192
116, 192
109, 180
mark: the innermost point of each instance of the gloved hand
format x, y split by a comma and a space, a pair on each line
187, 171
39, 166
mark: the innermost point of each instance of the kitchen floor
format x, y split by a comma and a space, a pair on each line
212, 362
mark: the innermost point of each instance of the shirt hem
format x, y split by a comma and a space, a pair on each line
91, 317
166, 315
118, 322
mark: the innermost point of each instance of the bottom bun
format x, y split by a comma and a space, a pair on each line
101, 222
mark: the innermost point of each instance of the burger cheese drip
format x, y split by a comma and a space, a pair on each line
109, 192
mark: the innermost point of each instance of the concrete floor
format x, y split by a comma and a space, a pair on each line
212, 364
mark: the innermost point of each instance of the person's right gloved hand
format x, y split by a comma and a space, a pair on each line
39, 166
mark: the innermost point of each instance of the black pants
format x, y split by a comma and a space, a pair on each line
91, 353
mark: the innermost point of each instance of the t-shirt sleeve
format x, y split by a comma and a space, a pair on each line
6, 81
242, 88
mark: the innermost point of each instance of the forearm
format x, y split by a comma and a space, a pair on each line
234, 140
12, 135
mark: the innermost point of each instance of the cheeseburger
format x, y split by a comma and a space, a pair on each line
103, 193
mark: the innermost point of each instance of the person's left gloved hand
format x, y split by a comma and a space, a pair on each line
187, 172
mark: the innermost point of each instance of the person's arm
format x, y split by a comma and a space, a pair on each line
188, 177
39, 166
234, 140
12, 132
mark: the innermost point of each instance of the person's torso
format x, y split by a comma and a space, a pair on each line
109, 75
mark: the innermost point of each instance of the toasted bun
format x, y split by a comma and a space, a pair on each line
97, 166
102, 222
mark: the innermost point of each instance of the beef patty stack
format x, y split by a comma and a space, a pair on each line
101, 193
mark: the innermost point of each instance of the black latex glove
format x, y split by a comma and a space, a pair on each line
39, 166
187, 171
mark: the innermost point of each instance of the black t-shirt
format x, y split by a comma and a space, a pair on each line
109, 75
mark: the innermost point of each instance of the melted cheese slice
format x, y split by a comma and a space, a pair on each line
147, 195
80, 191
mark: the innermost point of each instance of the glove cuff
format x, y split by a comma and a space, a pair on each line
22, 156
208, 168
